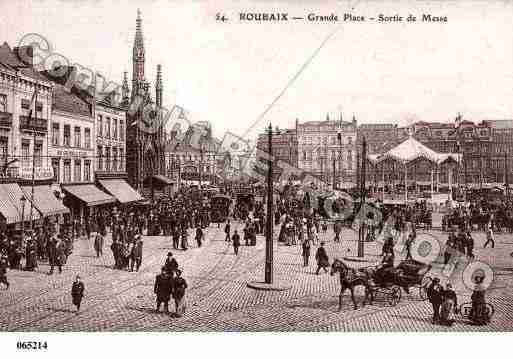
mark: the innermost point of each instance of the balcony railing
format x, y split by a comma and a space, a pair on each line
31, 124
5, 119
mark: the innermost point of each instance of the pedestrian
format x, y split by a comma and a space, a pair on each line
163, 289
449, 305
322, 259
179, 286
489, 236
57, 254
171, 265
227, 230
98, 244
408, 245
469, 243
449, 248
3, 271
434, 294
136, 254
199, 235
306, 252
337, 228
77, 292
479, 312
176, 237
236, 242
185, 239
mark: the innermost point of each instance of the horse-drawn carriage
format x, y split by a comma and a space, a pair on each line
386, 282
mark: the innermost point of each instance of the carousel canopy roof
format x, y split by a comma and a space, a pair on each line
411, 150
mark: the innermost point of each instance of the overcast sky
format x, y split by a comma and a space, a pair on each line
227, 73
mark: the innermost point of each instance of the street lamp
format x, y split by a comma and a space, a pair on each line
22, 200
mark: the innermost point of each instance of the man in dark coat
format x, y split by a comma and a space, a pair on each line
98, 244
322, 259
179, 286
163, 288
176, 237
236, 242
77, 292
136, 254
171, 265
227, 231
56, 254
306, 252
3, 271
435, 296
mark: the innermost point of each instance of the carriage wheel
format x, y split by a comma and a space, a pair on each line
394, 296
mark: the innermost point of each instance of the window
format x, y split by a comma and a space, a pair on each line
4, 150
77, 137
100, 158
121, 130
25, 153
38, 153
77, 171
87, 171
67, 171
114, 159
87, 138
56, 172
115, 128
100, 126
3, 103
107, 159
107, 127
55, 134
349, 140
67, 135
121, 160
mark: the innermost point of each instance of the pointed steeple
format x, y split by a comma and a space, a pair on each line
138, 59
327, 116
159, 86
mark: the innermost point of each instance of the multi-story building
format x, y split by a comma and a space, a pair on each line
26, 103
110, 138
381, 137
327, 150
23, 130
500, 150
193, 159
284, 149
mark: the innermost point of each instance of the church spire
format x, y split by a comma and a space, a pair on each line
138, 58
158, 86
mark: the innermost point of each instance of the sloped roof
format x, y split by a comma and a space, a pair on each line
9, 60
66, 101
500, 124
410, 150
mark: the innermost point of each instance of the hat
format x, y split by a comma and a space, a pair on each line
169, 254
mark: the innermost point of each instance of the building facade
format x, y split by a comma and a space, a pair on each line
284, 148
110, 129
327, 149
23, 129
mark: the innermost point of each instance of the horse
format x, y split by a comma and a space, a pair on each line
349, 279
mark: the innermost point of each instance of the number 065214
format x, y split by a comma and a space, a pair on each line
32, 345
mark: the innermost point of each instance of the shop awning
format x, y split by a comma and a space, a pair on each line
89, 194
163, 180
121, 190
45, 201
11, 205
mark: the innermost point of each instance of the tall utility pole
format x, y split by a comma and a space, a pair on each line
506, 179
362, 229
269, 224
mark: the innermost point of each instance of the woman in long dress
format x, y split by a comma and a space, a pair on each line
179, 286
479, 313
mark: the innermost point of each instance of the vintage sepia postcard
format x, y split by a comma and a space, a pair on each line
254, 166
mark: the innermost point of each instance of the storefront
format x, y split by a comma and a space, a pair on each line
85, 199
16, 211
47, 204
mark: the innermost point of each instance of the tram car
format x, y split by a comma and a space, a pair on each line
220, 208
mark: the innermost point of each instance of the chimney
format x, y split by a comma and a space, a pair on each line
25, 54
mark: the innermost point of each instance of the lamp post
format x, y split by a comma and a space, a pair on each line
22, 200
361, 231
270, 212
